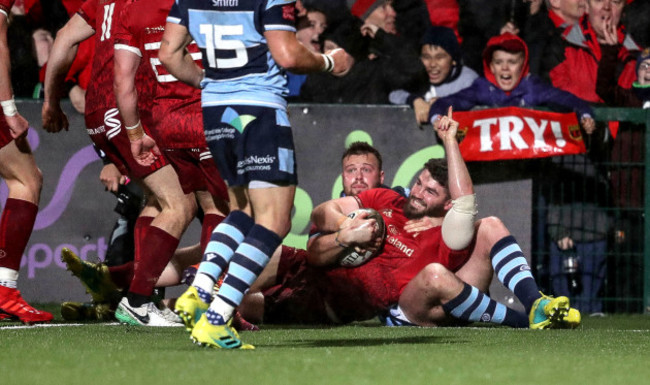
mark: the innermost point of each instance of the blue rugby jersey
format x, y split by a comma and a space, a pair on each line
230, 33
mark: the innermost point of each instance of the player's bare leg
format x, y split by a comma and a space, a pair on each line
271, 210
24, 180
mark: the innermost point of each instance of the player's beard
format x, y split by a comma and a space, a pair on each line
412, 213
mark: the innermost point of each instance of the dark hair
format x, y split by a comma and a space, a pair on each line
445, 38
362, 148
438, 170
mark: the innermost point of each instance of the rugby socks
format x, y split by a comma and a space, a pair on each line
159, 249
513, 271
473, 306
139, 230
225, 239
16, 225
248, 262
122, 275
8, 278
210, 222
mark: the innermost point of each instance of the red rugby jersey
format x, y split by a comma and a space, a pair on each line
101, 15
357, 293
178, 122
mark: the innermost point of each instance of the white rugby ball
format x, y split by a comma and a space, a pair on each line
350, 257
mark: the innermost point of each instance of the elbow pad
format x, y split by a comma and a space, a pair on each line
458, 225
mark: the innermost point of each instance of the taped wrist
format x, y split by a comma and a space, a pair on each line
329, 63
458, 226
135, 132
9, 107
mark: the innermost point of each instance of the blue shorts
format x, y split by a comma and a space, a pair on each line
251, 143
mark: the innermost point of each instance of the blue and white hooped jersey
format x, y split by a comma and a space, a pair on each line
230, 33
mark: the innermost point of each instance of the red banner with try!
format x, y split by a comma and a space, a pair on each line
517, 133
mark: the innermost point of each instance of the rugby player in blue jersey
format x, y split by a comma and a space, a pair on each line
246, 47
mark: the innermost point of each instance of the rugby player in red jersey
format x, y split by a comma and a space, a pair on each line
177, 120
424, 275
24, 180
169, 211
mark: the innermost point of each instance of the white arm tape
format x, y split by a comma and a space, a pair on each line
458, 225
9, 107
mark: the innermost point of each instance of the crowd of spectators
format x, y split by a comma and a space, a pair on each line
393, 44
430, 54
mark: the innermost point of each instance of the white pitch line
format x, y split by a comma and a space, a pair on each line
53, 325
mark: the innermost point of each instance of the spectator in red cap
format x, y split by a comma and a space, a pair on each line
507, 82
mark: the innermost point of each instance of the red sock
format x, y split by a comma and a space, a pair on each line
139, 230
16, 225
122, 275
210, 221
156, 252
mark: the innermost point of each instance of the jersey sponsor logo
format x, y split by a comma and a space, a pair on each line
95, 131
393, 230
225, 3
387, 212
219, 133
400, 246
256, 163
231, 117
150, 30
112, 121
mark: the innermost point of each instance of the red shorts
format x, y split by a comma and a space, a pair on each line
5, 133
313, 295
105, 129
197, 171
297, 296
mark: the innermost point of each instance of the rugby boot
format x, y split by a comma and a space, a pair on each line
95, 278
146, 315
77, 311
190, 307
570, 321
548, 312
217, 336
13, 304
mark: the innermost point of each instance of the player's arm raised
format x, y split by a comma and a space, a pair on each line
61, 57
174, 56
458, 225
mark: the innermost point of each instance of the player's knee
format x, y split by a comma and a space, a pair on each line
492, 227
37, 181
434, 276
283, 227
29, 186
182, 210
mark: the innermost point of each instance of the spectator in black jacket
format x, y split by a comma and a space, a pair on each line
371, 77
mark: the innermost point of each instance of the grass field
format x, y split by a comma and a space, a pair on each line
610, 350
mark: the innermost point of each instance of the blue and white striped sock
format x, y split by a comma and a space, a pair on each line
225, 239
473, 306
513, 271
246, 265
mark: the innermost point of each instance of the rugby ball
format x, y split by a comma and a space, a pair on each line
350, 257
